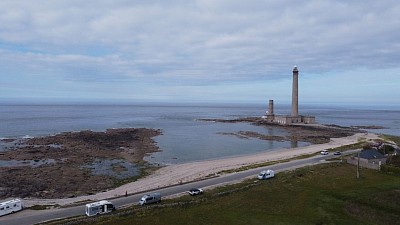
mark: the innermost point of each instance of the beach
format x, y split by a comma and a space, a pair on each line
188, 172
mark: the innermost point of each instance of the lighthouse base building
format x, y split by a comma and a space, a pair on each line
287, 119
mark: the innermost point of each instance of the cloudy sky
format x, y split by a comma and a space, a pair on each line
200, 51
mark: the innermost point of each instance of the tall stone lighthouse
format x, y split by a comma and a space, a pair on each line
295, 92
294, 117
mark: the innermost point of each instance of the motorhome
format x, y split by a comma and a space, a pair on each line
265, 174
10, 206
100, 207
150, 198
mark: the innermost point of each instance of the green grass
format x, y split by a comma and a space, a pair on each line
322, 194
357, 145
253, 166
395, 139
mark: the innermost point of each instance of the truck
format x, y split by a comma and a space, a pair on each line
150, 198
100, 207
10, 206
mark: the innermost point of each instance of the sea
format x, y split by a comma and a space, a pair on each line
185, 137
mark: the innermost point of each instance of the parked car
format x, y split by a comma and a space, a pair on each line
150, 198
195, 191
324, 152
265, 174
337, 153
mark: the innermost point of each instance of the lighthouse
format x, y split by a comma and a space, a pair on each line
294, 117
295, 92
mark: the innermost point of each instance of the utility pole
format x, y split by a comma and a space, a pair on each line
358, 165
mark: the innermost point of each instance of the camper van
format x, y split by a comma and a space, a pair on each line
265, 174
10, 206
100, 207
150, 198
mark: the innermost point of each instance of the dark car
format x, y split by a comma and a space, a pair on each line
337, 153
195, 191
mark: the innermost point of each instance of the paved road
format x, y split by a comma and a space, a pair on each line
35, 216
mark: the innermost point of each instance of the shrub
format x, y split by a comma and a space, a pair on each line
394, 160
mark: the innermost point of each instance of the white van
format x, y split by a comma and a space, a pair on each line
150, 198
10, 206
100, 207
265, 174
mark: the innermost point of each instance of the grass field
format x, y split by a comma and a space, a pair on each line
322, 194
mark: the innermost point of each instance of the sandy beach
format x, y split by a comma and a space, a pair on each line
182, 173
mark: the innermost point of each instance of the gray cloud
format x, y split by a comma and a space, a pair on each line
197, 42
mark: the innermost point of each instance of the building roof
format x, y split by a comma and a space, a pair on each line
102, 202
10, 201
371, 154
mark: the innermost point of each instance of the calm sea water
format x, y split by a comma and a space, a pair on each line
184, 138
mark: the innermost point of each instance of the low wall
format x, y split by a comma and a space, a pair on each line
364, 163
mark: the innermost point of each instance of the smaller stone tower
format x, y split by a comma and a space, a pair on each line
271, 108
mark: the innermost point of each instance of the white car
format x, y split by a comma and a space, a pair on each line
265, 174
195, 191
324, 152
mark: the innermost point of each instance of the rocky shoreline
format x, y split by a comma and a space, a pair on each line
65, 165
60, 165
312, 133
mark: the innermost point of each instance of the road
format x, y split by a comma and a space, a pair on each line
27, 216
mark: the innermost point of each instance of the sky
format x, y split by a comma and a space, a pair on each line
200, 51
